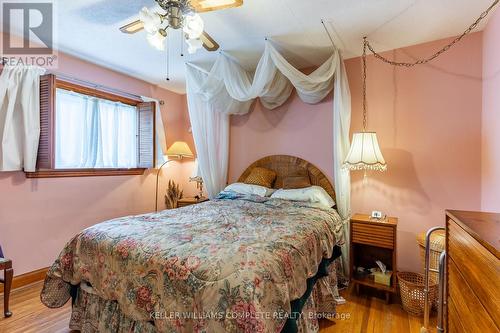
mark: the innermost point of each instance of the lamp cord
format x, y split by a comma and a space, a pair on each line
368, 46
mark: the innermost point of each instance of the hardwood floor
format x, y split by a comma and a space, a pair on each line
361, 314
31, 316
369, 314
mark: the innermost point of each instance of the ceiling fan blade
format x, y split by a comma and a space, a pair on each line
208, 42
201, 6
133, 27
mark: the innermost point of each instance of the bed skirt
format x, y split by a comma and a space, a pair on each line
93, 314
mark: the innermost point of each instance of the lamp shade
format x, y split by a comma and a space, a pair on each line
180, 149
365, 153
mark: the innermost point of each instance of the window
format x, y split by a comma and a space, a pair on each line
88, 132
94, 133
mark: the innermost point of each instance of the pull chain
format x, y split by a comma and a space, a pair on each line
182, 44
168, 62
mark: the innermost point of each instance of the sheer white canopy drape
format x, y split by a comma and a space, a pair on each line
228, 89
19, 117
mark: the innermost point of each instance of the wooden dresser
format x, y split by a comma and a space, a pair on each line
473, 279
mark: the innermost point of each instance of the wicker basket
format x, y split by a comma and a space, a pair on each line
411, 288
437, 246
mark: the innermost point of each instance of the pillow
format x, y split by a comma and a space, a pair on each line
312, 194
261, 176
296, 182
250, 189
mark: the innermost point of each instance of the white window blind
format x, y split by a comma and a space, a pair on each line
94, 133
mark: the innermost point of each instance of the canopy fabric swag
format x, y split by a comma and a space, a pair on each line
228, 89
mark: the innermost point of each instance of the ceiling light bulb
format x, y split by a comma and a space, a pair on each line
151, 20
193, 26
194, 45
157, 40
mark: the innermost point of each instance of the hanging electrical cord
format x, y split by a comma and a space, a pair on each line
365, 117
438, 53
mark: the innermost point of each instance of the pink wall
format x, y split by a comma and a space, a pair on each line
37, 217
491, 116
428, 121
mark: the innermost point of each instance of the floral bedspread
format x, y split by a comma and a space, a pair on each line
228, 265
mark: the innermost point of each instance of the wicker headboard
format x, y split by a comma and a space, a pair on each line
286, 166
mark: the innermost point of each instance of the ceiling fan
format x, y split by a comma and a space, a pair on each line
179, 14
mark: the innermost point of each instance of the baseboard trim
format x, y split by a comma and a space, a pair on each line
27, 278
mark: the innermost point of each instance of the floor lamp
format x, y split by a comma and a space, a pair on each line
179, 150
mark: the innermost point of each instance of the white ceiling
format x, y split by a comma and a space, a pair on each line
89, 30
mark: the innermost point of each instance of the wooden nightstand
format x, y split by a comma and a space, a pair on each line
373, 240
190, 201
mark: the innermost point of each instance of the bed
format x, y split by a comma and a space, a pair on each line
239, 263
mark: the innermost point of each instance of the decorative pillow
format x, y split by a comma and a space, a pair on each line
312, 194
261, 176
296, 182
250, 189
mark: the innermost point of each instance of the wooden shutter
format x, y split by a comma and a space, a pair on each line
46, 145
146, 138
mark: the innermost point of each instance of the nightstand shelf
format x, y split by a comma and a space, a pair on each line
184, 202
373, 240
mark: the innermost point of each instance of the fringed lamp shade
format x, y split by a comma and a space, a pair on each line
365, 153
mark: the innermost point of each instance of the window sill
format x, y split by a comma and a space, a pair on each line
84, 173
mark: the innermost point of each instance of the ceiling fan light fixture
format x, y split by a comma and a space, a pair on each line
152, 21
157, 40
193, 26
179, 14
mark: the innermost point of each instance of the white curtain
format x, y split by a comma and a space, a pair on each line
19, 117
161, 137
229, 90
94, 133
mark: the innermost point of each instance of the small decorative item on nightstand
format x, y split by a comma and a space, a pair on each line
190, 201
374, 240
199, 185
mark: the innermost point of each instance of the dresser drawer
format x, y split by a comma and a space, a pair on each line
479, 267
466, 312
382, 236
